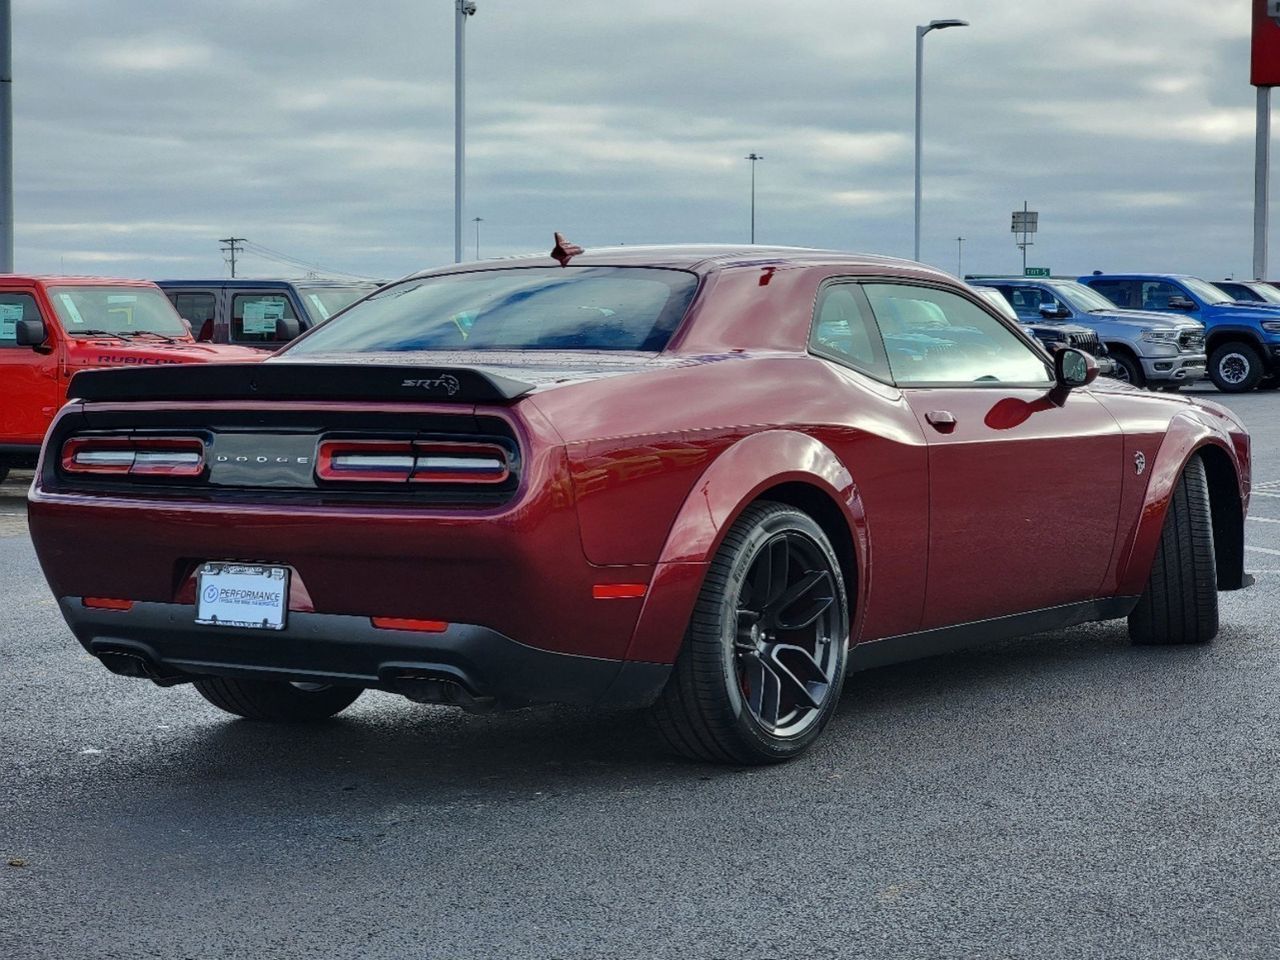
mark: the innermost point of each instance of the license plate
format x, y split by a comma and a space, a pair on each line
242, 595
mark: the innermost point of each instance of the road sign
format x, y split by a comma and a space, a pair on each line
1025, 221
1036, 272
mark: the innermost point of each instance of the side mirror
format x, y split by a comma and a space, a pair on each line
287, 328
1054, 311
1181, 303
1074, 368
30, 333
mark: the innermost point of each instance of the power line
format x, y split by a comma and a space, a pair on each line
267, 253
232, 248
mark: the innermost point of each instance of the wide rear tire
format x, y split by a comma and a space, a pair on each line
276, 701
762, 666
1180, 603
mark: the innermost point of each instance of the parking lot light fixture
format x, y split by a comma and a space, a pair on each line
462, 10
920, 34
753, 157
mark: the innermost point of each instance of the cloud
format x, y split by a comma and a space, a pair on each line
326, 132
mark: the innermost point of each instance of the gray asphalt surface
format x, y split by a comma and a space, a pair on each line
1066, 795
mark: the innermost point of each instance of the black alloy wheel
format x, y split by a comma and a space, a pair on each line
763, 662
1235, 367
784, 651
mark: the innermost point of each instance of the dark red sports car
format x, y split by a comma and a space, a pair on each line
702, 480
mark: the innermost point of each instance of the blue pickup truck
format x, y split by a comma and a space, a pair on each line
1243, 340
1149, 349
259, 313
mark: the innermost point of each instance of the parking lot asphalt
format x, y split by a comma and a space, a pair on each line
1063, 795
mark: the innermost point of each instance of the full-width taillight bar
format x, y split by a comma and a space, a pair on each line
134, 456
411, 461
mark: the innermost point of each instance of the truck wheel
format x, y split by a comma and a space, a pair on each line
1128, 370
276, 701
1235, 367
762, 666
1180, 604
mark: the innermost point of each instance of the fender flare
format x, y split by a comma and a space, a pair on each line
733, 481
1187, 436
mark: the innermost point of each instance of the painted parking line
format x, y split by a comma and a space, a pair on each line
1264, 520
1266, 493
1266, 550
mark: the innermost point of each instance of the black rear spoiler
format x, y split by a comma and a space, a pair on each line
296, 381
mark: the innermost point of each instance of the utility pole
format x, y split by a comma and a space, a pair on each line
1261, 183
960, 256
463, 9
753, 157
477, 221
6, 137
232, 247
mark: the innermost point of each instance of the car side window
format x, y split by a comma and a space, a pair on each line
843, 332
15, 307
1025, 300
254, 316
1122, 293
1157, 293
197, 309
937, 337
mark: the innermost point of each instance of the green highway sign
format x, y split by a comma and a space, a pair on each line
1037, 272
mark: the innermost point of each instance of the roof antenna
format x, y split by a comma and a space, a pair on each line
564, 251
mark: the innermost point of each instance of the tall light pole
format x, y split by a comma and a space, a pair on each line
477, 221
920, 32
959, 256
6, 137
753, 157
463, 9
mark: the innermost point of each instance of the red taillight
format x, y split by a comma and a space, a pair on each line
402, 623
106, 603
134, 456
411, 461
618, 591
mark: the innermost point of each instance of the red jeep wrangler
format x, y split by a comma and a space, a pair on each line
50, 327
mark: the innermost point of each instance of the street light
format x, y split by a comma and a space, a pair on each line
753, 157
920, 32
477, 221
959, 256
463, 9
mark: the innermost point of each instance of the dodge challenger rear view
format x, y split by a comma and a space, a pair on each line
702, 481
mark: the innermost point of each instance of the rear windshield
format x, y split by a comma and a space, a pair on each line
537, 308
120, 310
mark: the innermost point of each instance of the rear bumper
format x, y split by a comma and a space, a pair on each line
465, 664
1184, 368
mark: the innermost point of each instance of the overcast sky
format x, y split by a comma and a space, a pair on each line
147, 129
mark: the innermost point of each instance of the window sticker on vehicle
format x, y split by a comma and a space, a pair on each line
260, 316
10, 314
70, 306
121, 298
319, 306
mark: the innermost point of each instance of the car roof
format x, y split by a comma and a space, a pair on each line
1139, 276
701, 258
265, 282
47, 278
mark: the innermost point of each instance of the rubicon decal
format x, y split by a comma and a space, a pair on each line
124, 359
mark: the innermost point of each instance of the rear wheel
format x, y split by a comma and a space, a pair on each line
762, 666
1128, 369
1180, 603
276, 700
1235, 367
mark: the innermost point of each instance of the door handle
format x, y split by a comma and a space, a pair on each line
944, 421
